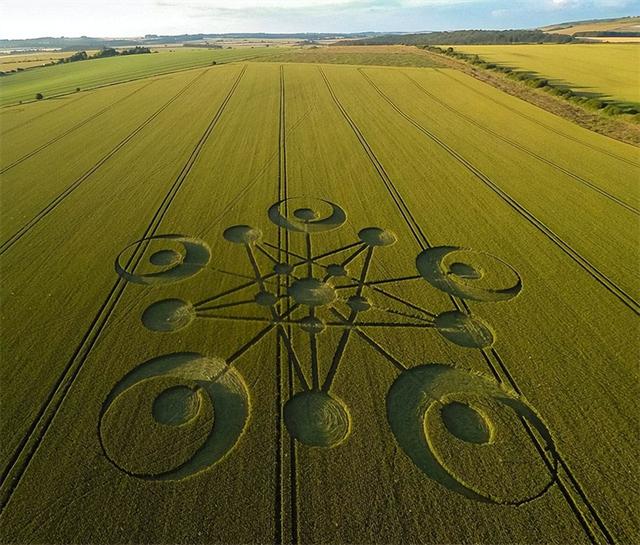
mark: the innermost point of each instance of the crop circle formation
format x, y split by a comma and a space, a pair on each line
467, 433
173, 416
162, 259
459, 428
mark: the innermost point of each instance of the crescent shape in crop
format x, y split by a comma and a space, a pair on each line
471, 435
173, 416
162, 259
307, 215
469, 274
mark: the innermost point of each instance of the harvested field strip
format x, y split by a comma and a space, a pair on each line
517, 145
460, 79
355, 55
585, 262
487, 353
39, 428
73, 128
4, 246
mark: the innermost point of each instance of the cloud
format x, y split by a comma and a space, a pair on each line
257, 6
137, 17
564, 4
591, 4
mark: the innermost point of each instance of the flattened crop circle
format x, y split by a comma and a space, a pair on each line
310, 215
375, 236
158, 420
162, 259
312, 292
242, 234
466, 432
464, 330
469, 274
168, 315
317, 419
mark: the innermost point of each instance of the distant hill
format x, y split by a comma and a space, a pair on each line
464, 37
85, 42
625, 26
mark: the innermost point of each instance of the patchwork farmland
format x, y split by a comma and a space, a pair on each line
315, 303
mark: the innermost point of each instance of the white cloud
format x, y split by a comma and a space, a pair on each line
32, 18
563, 4
288, 5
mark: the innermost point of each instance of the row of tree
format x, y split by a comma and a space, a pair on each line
465, 37
105, 52
608, 34
609, 107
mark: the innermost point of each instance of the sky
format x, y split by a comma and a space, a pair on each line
120, 18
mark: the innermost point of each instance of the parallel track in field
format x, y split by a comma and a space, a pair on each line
284, 363
520, 147
27, 449
74, 128
574, 254
541, 123
58, 199
491, 355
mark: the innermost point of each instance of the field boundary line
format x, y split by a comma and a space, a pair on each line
74, 128
43, 114
425, 244
583, 262
74, 185
111, 84
120, 82
522, 148
39, 428
537, 121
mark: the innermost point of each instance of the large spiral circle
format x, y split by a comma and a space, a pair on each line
162, 259
469, 274
173, 416
470, 435
307, 215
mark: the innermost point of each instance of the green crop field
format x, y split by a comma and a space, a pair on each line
608, 70
58, 80
278, 302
